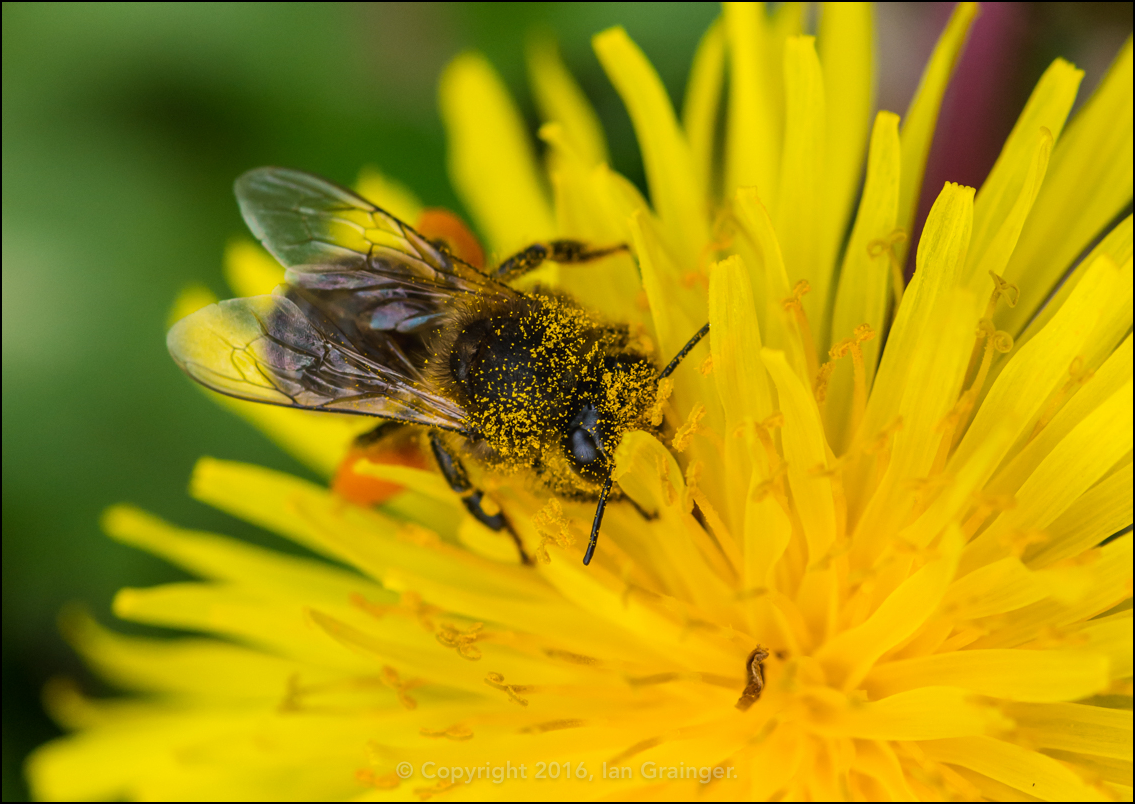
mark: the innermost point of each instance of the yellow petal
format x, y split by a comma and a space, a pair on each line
1001, 586
802, 218
1103, 510
752, 144
1028, 771
703, 99
1117, 245
1111, 377
941, 253
933, 384
877, 759
205, 669
957, 497
589, 208
1088, 183
1012, 185
735, 342
277, 626
491, 163
423, 481
660, 281
227, 559
1114, 321
922, 116
991, 257
847, 54
1035, 372
364, 538
665, 152
1080, 459
647, 471
865, 280
926, 713
1040, 676
806, 453
1111, 636
1105, 576
560, 100
849, 656
770, 281
1074, 727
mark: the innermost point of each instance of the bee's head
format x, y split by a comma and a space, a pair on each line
605, 409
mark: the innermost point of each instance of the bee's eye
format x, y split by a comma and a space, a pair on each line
583, 447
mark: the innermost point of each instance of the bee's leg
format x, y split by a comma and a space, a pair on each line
378, 433
647, 515
561, 251
457, 478
598, 521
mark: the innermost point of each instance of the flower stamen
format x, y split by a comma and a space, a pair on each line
795, 305
462, 641
1077, 376
686, 432
820, 384
553, 527
986, 504
880, 447
457, 732
665, 388
863, 332
886, 245
387, 781
392, 680
496, 680
956, 421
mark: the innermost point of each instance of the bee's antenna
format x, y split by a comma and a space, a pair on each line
599, 509
701, 333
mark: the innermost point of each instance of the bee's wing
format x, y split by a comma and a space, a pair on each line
366, 270
267, 349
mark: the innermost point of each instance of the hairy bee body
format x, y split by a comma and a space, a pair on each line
376, 319
546, 386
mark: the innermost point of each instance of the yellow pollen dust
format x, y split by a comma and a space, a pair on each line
686, 431
665, 388
553, 528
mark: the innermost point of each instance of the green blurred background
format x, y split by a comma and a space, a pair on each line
124, 126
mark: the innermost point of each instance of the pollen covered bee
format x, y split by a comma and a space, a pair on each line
378, 320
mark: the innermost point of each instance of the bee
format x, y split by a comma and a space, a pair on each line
376, 319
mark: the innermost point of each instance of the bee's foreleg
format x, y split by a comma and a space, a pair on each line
565, 252
598, 521
458, 479
647, 515
376, 434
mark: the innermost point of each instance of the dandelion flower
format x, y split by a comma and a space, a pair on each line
884, 563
